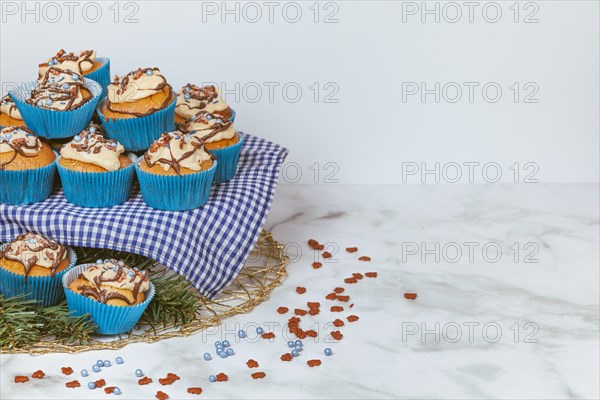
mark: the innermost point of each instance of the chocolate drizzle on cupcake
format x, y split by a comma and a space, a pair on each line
18, 140
83, 62
32, 249
137, 85
107, 276
90, 146
177, 150
8, 107
207, 127
193, 99
59, 89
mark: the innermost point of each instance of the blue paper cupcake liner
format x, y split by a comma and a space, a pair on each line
96, 189
27, 186
101, 75
227, 159
109, 319
55, 124
174, 192
232, 119
138, 133
47, 290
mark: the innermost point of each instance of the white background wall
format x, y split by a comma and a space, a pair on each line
358, 128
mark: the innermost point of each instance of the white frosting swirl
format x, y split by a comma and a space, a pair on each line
136, 85
23, 138
7, 106
209, 127
91, 147
47, 252
106, 273
193, 99
177, 149
81, 63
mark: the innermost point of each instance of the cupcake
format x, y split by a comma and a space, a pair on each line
59, 105
94, 171
139, 107
34, 265
219, 138
176, 173
193, 99
86, 63
9, 115
112, 293
27, 167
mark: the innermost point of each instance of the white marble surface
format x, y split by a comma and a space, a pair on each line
558, 296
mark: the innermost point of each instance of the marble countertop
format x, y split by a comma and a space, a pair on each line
507, 306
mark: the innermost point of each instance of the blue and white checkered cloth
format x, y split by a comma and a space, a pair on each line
208, 245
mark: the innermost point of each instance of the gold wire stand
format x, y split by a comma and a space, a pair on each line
264, 269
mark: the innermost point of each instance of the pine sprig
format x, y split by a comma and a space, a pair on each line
22, 323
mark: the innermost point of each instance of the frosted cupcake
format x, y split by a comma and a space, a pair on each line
94, 171
59, 105
192, 99
176, 173
112, 293
219, 138
86, 63
9, 115
139, 107
27, 167
34, 265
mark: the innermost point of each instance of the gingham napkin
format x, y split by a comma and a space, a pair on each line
208, 245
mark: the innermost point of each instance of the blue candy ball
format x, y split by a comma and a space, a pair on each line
117, 391
92, 385
207, 356
107, 363
298, 343
149, 72
66, 86
290, 344
328, 352
230, 351
259, 330
223, 354
40, 103
242, 334
98, 261
8, 136
186, 96
212, 378
92, 129
226, 343
75, 77
119, 360
298, 348
218, 343
295, 353
48, 102
139, 373
99, 363
96, 368
84, 372
77, 138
